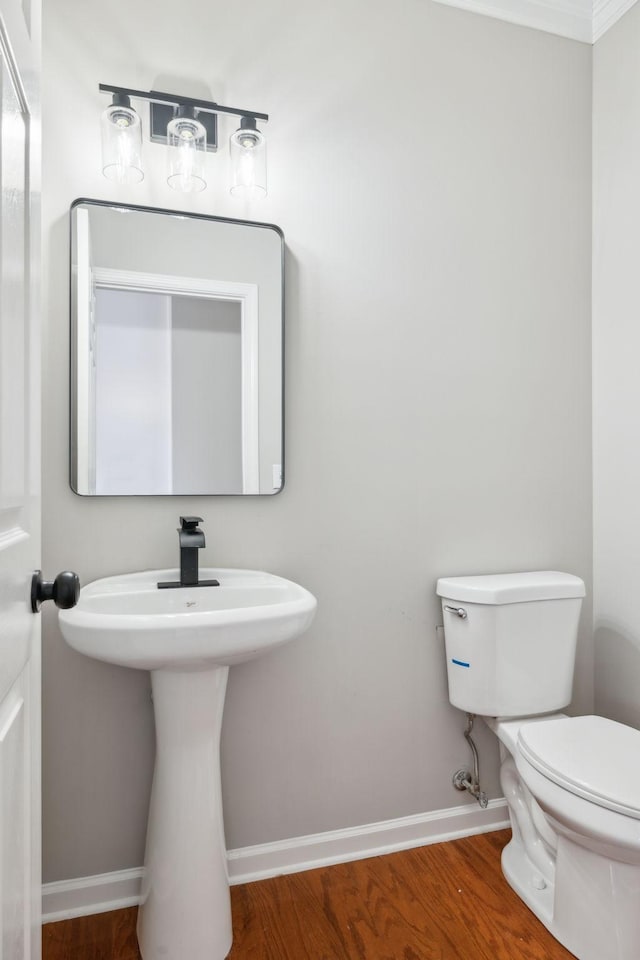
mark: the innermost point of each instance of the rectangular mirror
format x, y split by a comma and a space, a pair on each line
176, 353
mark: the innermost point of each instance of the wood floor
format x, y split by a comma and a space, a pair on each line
446, 901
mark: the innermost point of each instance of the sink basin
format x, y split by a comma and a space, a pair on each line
188, 638
128, 621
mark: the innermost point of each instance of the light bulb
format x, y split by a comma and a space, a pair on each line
187, 144
121, 142
248, 158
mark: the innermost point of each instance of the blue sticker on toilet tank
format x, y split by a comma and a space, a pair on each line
460, 663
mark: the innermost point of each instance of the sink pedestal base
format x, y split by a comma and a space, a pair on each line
185, 909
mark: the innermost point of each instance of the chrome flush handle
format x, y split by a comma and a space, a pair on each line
459, 611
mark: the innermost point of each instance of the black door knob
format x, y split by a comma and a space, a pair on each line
64, 590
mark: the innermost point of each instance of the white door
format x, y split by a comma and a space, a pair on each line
19, 481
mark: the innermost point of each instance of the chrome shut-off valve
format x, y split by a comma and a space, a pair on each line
463, 779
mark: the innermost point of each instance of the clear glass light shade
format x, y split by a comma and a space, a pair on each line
248, 155
187, 145
121, 145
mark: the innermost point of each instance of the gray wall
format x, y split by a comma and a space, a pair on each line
431, 172
616, 345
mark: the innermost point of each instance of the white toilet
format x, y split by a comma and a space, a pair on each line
572, 783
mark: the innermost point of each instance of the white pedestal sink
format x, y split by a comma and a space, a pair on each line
187, 637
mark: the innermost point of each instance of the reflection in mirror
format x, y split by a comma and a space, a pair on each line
176, 379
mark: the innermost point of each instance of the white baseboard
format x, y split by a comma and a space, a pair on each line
86, 895
112, 891
357, 843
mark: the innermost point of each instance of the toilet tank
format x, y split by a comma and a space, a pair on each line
510, 641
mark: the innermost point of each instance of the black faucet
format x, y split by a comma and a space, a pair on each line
191, 540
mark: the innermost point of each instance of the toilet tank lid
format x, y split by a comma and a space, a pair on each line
500, 588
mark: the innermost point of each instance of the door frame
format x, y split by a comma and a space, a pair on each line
245, 294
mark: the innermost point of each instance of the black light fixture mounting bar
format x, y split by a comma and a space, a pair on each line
176, 100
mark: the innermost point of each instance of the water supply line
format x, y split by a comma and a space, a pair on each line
463, 779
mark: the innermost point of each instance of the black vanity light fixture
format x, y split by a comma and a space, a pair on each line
189, 128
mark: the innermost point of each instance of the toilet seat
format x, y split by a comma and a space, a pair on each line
591, 757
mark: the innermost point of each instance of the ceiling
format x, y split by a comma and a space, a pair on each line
584, 20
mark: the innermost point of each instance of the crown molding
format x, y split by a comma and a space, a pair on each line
583, 20
606, 13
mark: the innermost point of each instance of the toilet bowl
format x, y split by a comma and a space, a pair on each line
572, 784
574, 856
